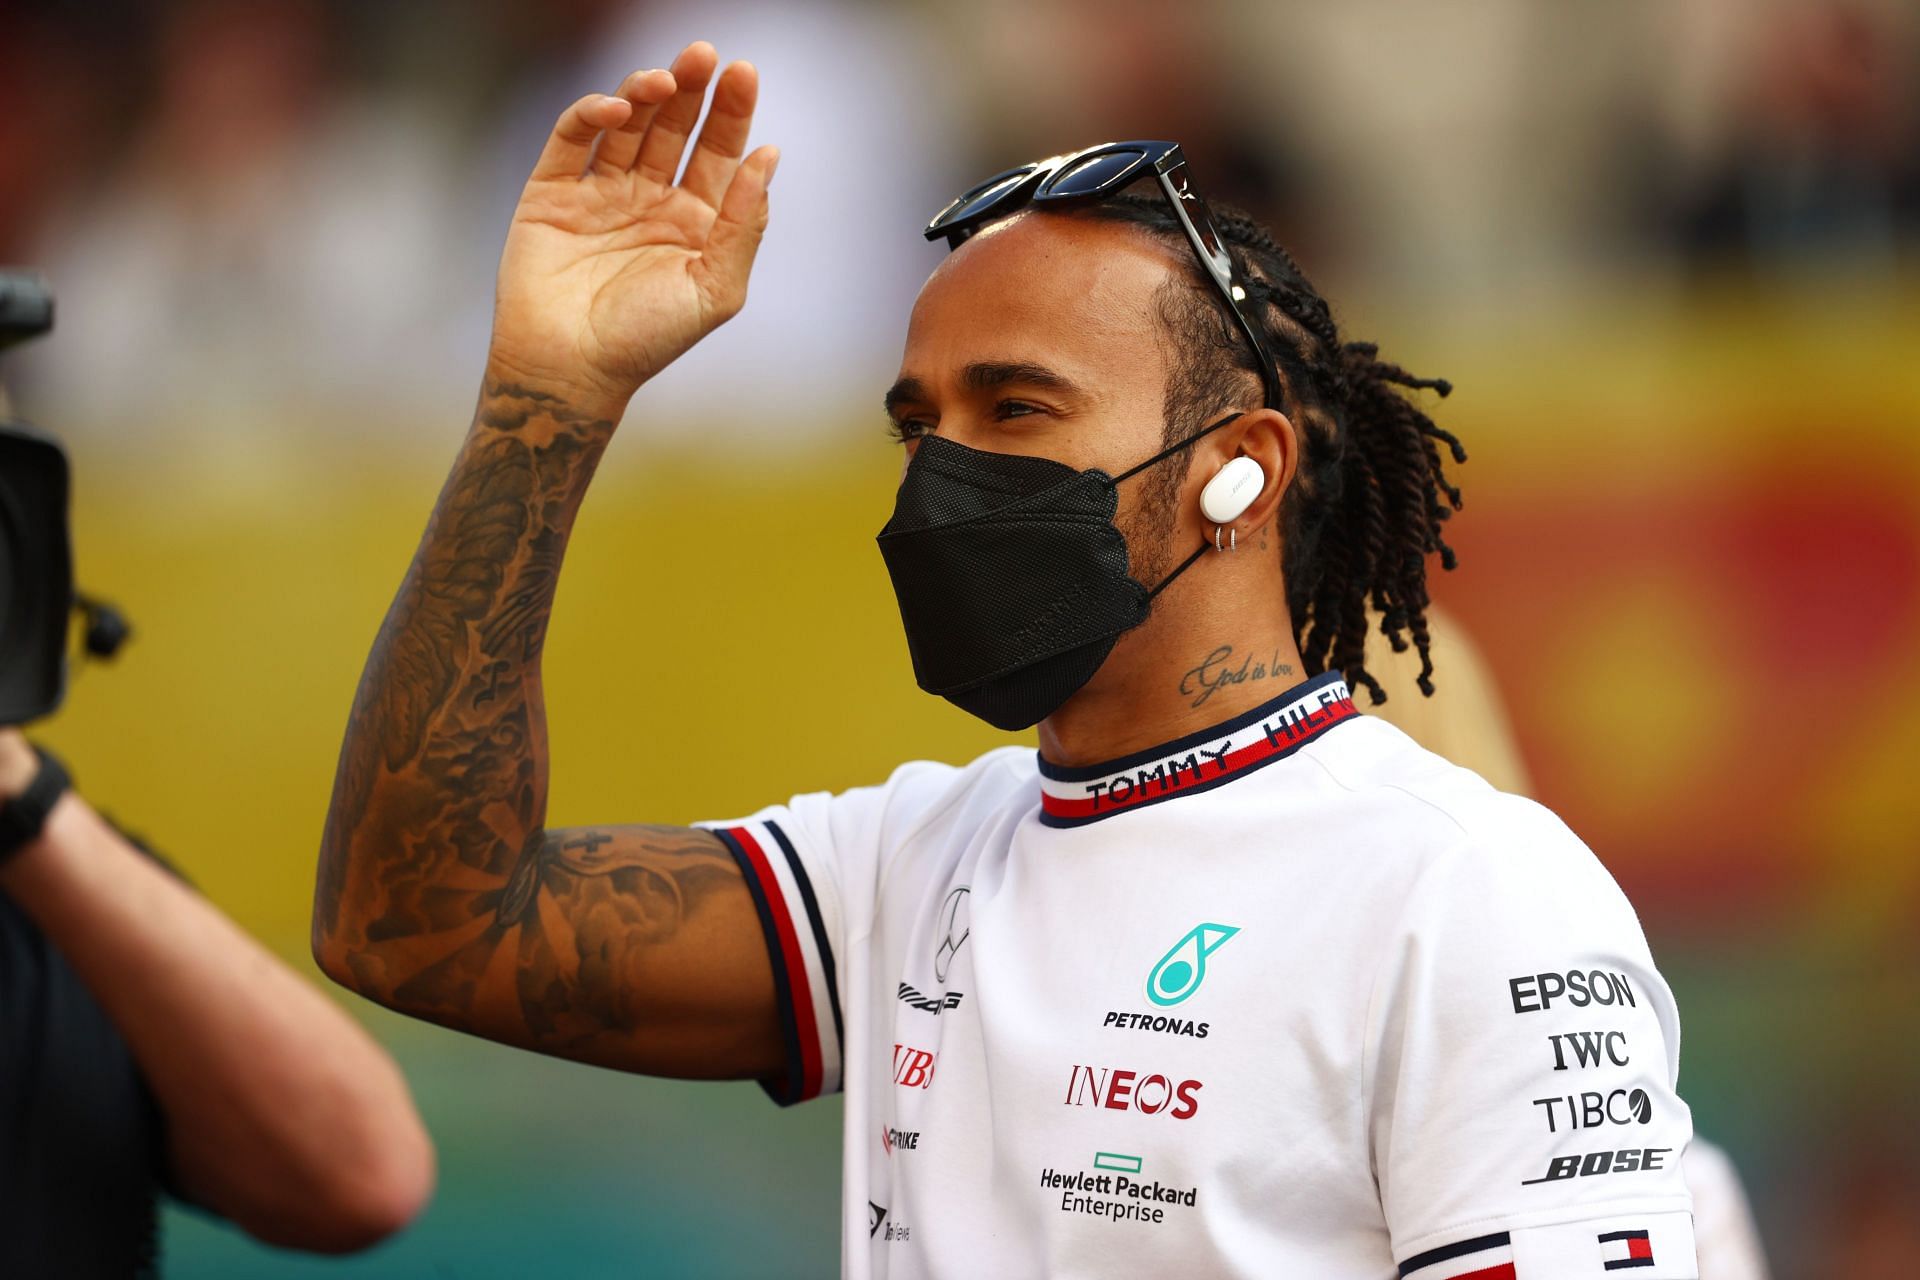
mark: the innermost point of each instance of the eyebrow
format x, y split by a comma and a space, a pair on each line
905, 391
985, 375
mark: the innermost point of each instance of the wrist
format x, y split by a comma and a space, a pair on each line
18, 764
580, 395
24, 813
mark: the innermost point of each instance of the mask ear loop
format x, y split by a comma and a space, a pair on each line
1174, 448
1184, 566
1164, 454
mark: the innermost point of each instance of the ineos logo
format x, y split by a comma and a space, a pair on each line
954, 927
1120, 1090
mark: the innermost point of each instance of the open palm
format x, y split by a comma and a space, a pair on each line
611, 270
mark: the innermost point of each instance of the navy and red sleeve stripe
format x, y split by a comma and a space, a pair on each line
805, 980
1488, 1257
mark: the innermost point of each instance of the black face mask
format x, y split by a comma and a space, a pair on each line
1012, 578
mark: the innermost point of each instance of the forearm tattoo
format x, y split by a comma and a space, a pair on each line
436, 866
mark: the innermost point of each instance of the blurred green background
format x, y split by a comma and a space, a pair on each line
1666, 254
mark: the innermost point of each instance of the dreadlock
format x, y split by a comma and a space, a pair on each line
1370, 499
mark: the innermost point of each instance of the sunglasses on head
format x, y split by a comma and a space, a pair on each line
1094, 174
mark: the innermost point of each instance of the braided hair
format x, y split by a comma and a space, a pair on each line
1369, 499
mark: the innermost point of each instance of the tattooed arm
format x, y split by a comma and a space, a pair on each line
441, 892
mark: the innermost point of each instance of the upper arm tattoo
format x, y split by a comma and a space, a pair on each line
436, 867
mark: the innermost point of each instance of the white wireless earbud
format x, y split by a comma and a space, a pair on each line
1232, 490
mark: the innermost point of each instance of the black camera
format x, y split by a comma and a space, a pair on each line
37, 597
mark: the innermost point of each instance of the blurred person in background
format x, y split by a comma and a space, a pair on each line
147, 1044
48, 72
1818, 164
1137, 68
1371, 1110
258, 179
338, 167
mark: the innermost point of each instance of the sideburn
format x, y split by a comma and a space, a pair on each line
1149, 529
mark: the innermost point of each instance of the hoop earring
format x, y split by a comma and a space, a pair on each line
1233, 538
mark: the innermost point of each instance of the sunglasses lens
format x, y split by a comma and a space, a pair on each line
981, 198
1093, 174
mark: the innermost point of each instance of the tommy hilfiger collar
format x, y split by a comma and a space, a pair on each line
1072, 797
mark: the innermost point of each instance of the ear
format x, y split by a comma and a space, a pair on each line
1268, 438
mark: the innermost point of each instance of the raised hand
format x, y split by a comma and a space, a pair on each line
611, 269
441, 891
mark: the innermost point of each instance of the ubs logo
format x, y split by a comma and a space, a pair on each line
954, 926
913, 1068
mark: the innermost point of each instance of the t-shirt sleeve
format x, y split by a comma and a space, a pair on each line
812, 865
1522, 1060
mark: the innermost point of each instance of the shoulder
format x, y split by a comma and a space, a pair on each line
1484, 883
1456, 823
1505, 911
994, 773
963, 796
925, 793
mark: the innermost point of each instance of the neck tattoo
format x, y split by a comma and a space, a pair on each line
1223, 668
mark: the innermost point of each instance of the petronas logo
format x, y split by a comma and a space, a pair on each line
1184, 967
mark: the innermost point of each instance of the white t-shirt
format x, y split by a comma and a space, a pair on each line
1288, 997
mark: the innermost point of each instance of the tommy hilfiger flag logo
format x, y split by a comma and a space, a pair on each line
1620, 1250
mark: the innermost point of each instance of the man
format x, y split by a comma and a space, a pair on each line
146, 1042
1229, 979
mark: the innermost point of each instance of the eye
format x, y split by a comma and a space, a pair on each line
1004, 409
904, 430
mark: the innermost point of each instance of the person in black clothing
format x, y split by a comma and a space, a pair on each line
147, 1044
